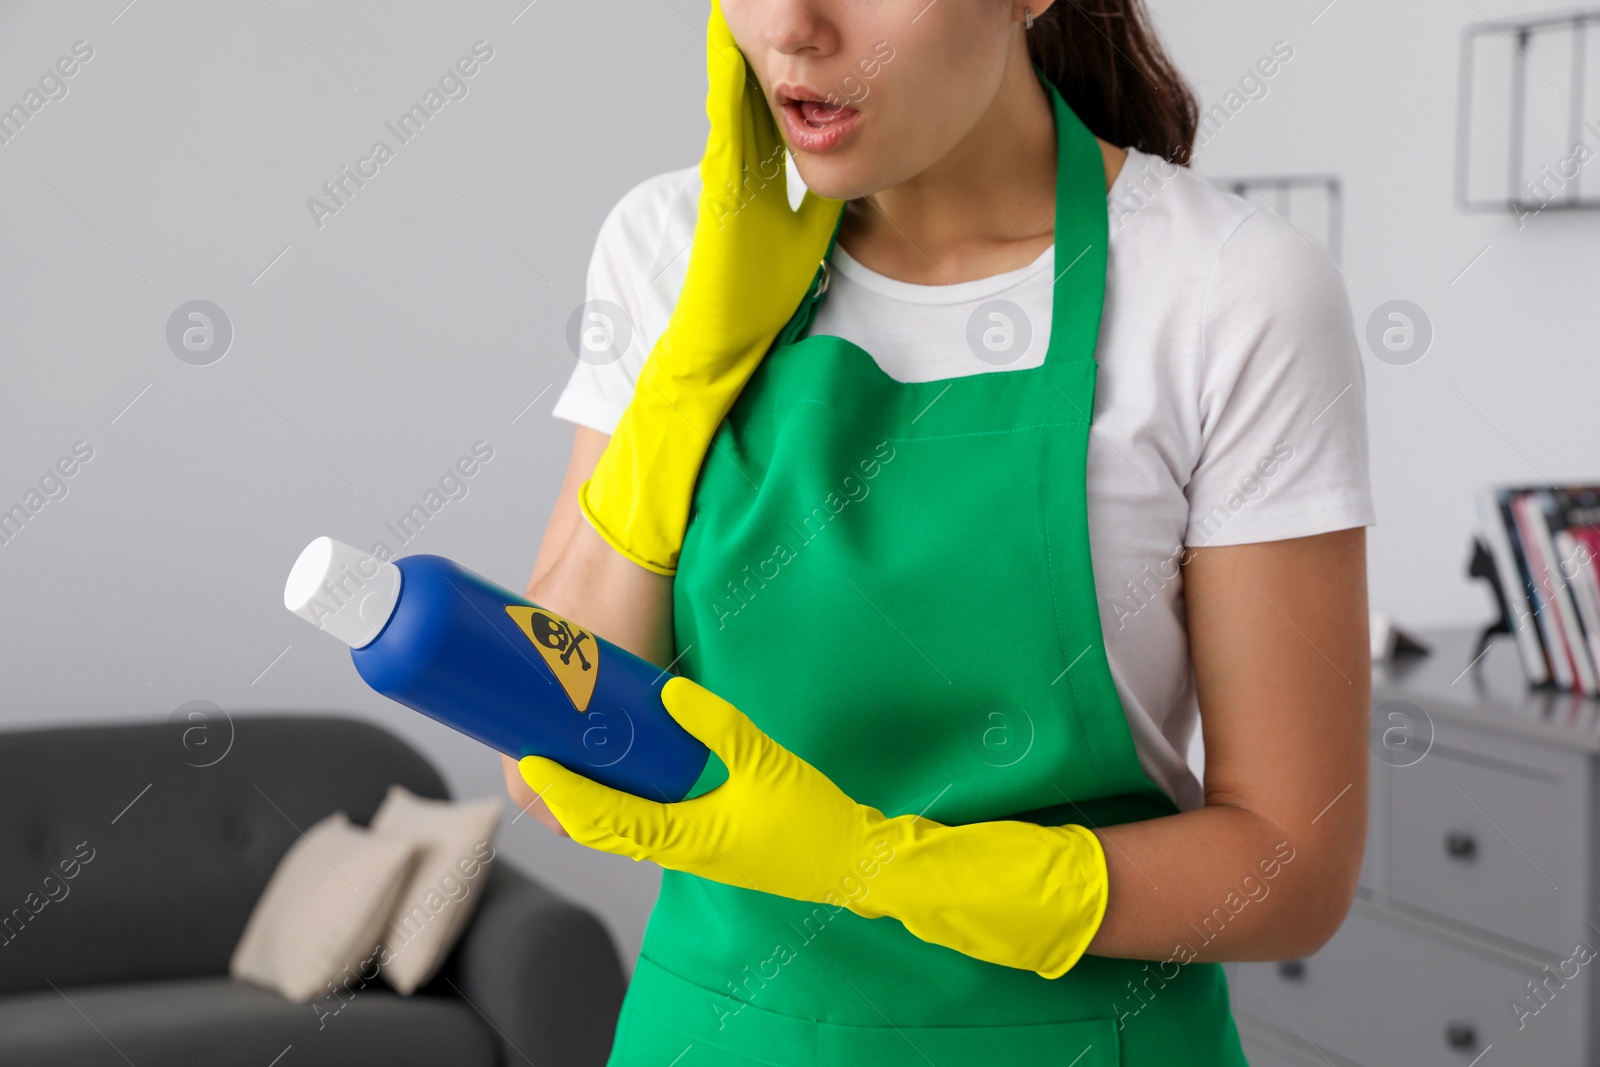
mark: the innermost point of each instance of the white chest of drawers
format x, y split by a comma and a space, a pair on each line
1475, 936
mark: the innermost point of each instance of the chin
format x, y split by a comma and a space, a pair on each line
838, 178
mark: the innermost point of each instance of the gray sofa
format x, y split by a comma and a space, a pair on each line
168, 847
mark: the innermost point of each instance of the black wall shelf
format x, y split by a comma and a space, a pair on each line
1529, 95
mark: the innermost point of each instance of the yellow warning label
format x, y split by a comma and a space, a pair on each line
571, 652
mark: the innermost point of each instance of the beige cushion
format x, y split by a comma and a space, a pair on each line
455, 846
324, 910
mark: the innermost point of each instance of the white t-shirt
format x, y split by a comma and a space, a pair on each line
1230, 406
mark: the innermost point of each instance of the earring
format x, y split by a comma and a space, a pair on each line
1027, 18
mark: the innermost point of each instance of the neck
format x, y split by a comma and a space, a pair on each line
986, 207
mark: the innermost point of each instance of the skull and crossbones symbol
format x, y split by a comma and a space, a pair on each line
558, 634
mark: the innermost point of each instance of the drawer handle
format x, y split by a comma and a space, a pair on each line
1292, 970
1460, 846
1461, 1036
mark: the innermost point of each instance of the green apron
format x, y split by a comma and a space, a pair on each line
893, 580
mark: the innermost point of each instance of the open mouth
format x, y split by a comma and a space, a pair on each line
813, 123
817, 114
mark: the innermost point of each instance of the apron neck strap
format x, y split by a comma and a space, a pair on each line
1082, 236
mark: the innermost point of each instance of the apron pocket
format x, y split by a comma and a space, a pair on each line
666, 1017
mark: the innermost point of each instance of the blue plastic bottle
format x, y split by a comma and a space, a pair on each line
441, 640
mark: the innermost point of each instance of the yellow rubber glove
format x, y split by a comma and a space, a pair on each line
751, 262
1011, 893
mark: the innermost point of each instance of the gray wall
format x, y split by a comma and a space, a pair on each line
371, 351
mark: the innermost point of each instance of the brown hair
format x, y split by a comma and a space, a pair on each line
1107, 63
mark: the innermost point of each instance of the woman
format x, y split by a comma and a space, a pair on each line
958, 641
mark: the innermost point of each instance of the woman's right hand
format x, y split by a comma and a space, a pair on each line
749, 267
751, 262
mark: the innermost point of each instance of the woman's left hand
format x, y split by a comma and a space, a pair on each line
777, 825
1010, 892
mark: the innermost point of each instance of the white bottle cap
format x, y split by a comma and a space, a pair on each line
342, 590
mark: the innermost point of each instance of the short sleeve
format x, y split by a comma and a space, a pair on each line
639, 261
1283, 420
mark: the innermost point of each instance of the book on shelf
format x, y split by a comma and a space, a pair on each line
1545, 541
